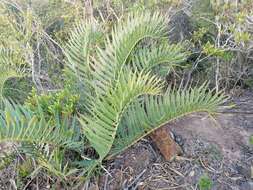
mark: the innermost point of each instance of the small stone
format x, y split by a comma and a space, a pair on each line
247, 185
172, 135
192, 173
179, 140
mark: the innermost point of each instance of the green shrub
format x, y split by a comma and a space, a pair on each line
223, 37
205, 183
25, 168
62, 103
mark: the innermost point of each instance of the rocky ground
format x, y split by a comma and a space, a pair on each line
214, 146
217, 147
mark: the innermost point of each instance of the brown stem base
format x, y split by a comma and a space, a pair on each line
165, 143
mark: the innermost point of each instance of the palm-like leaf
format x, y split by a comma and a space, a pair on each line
121, 43
44, 141
100, 128
129, 105
78, 52
20, 125
144, 117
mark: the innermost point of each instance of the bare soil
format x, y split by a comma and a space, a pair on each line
214, 146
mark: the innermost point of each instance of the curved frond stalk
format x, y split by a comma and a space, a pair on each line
121, 43
160, 57
20, 125
100, 128
142, 118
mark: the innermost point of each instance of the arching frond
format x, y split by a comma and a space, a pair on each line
127, 105
19, 125
120, 44
100, 129
144, 117
101, 126
159, 58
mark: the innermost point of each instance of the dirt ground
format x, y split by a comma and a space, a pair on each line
218, 148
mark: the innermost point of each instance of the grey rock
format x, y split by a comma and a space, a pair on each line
247, 185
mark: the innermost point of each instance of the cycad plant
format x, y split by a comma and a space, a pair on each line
120, 78
126, 97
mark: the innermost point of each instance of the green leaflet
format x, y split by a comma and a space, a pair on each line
158, 58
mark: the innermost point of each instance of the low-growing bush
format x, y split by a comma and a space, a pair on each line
223, 37
61, 103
